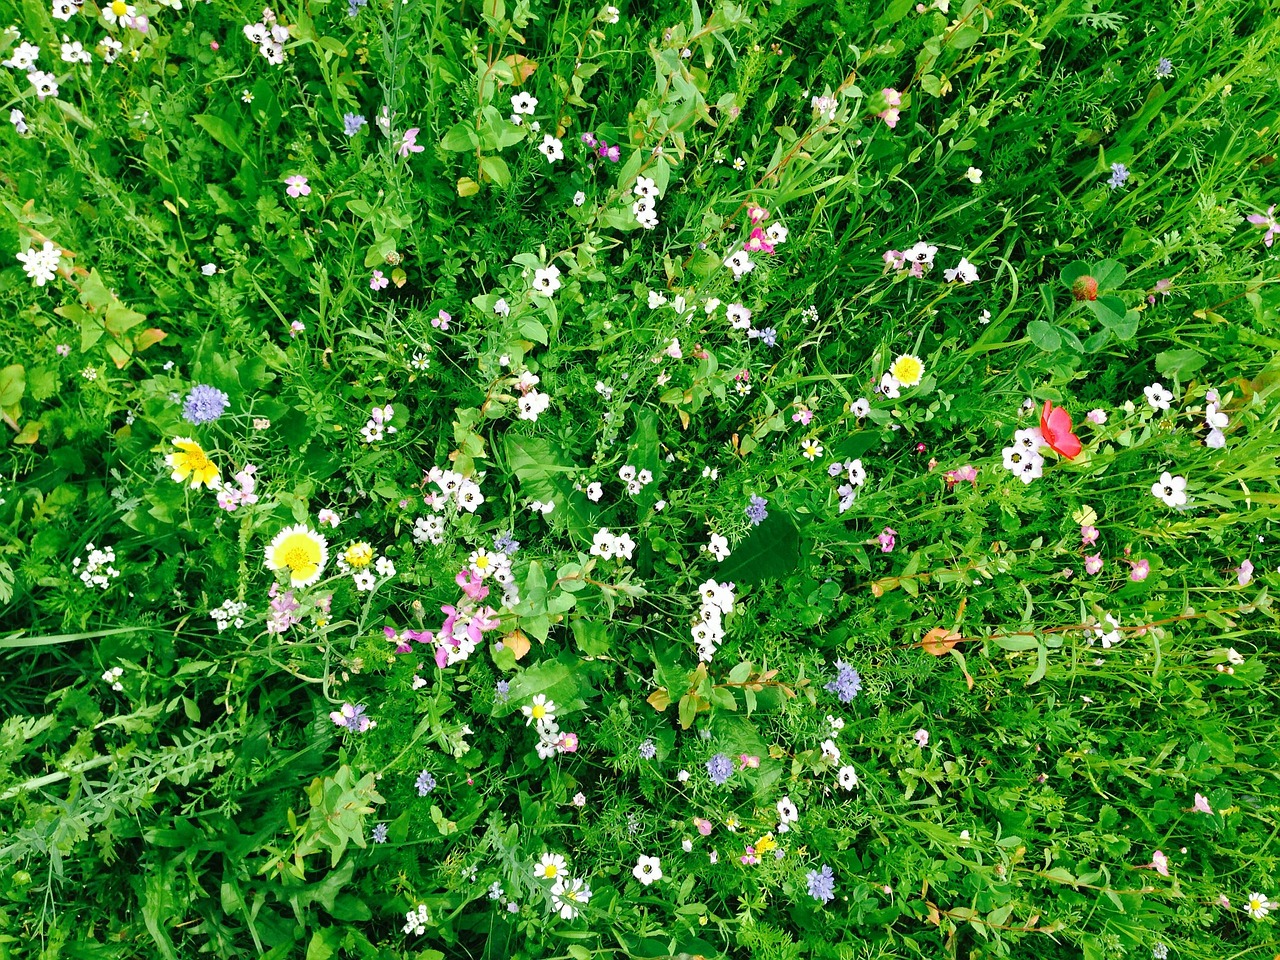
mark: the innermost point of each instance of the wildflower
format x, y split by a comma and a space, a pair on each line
740, 264
973, 175
822, 884
1141, 570
718, 546
46, 84
1157, 396
1160, 951
648, 870
551, 148
415, 921
1159, 863
566, 898
1164, 68
921, 738
550, 866
846, 684
409, 142
19, 121
191, 461
1092, 564
1119, 175
425, 783
1172, 490
523, 103
546, 281
1088, 535
811, 449
351, 123
541, 711
204, 404
579, 198
1244, 573
907, 370
887, 538
41, 265
1108, 638
847, 777
301, 551
1055, 429
720, 769
1096, 417
739, 163
378, 281
964, 271
787, 812
890, 114
352, 717
1258, 906
756, 511
889, 386
297, 327
1266, 222
380, 833
297, 186
1202, 804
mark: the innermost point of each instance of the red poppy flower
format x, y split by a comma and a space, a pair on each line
1055, 427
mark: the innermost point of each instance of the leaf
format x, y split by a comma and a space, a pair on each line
1044, 336
521, 68
517, 643
1179, 364
659, 699
1073, 272
13, 384
461, 137
1109, 274
221, 131
1109, 310
495, 168
769, 552
467, 187
148, 338
939, 640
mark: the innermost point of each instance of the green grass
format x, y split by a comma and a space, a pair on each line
210, 806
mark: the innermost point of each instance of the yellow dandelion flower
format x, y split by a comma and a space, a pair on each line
907, 370
358, 555
765, 843
192, 462
301, 551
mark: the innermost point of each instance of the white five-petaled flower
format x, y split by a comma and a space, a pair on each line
1158, 396
718, 547
964, 271
1172, 490
847, 777
543, 713
739, 263
523, 103
41, 264
551, 148
648, 870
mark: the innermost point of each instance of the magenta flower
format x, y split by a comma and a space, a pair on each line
297, 186
441, 321
1267, 222
409, 143
887, 538
378, 281
569, 743
1140, 571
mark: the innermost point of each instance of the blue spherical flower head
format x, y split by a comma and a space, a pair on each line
847, 683
822, 884
756, 511
204, 404
720, 769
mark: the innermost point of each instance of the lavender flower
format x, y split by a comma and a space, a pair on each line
425, 783
1119, 174
846, 684
506, 543
1164, 68
766, 335
351, 123
756, 511
647, 750
204, 404
502, 691
354, 6
380, 833
720, 769
822, 884
352, 717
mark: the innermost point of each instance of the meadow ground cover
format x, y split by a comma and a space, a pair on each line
524, 480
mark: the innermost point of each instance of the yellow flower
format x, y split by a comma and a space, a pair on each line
191, 461
301, 551
119, 8
358, 555
765, 843
907, 370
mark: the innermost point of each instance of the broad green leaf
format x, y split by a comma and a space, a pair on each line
1044, 336
770, 551
461, 137
1179, 364
1109, 274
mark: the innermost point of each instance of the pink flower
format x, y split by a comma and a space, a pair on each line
890, 114
1267, 222
921, 738
1088, 535
1140, 572
1097, 417
894, 259
758, 242
1159, 863
328, 516
1093, 564
747, 760
378, 281
1244, 573
297, 186
887, 538
757, 214
802, 416
704, 826
569, 743
1202, 804
1223, 902
441, 321
63, 349
409, 143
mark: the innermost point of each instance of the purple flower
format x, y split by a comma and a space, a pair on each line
1119, 174
1164, 68
756, 511
822, 884
378, 281
720, 769
351, 123
204, 404
846, 684
1267, 222
425, 783
888, 538
767, 335
409, 142
589, 139
380, 833
502, 691
354, 6
352, 717
506, 543
647, 750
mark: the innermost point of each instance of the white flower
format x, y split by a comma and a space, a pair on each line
739, 263
656, 299
964, 271
648, 870
973, 175
1172, 490
889, 386
23, 57
831, 751
711, 306
1214, 418
41, 264
921, 253
551, 148
501, 308
550, 867
624, 546
594, 491
19, 121
604, 544
209, 269
739, 317
543, 713
547, 281
718, 547
364, 580
46, 84
74, 52
777, 233
787, 812
65, 9
384, 567
523, 103
985, 317
1258, 906
429, 529
810, 449
1158, 396
847, 777
532, 404
579, 198
860, 407
416, 920
683, 776
566, 898
1100, 634
645, 188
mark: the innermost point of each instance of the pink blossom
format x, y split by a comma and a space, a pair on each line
887, 538
1088, 535
704, 826
1267, 222
568, 743
1141, 570
747, 760
921, 738
890, 114
802, 416
1202, 804
441, 321
1159, 863
1093, 564
757, 214
378, 281
1097, 417
1244, 573
409, 143
894, 259
759, 241
297, 186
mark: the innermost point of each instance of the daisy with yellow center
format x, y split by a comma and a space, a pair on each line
193, 464
301, 551
908, 370
358, 555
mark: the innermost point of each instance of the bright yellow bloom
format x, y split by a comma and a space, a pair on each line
119, 8
358, 555
191, 461
765, 843
301, 551
907, 370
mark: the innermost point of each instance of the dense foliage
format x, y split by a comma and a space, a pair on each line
766, 479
